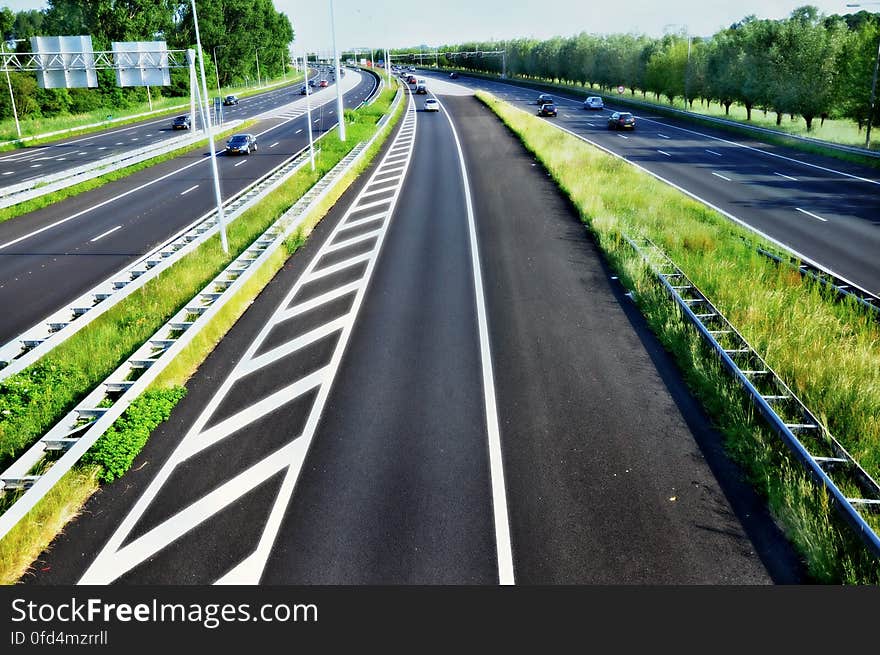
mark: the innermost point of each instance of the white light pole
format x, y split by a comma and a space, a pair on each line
309, 108
217, 67
221, 219
9, 84
340, 111
257, 55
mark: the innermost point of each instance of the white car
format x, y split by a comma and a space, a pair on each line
432, 105
594, 102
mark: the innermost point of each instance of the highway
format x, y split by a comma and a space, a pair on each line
443, 386
824, 209
32, 163
53, 255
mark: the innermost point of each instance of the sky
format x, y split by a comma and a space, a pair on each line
400, 23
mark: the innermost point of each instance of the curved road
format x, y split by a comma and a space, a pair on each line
53, 255
824, 209
443, 386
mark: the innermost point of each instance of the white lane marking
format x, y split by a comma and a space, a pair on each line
279, 352
353, 241
622, 136
100, 204
118, 143
243, 161
361, 221
712, 152
721, 176
192, 188
83, 152
298, 131
102, 235
35, 165
8, 172
787, 177
804, 211
662, 152
496, 465
102, 148
25, 152
308, 305
319, 273
663, 136
274, 144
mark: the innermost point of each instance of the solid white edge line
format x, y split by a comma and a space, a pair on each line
804, 211
103, 234
496, 465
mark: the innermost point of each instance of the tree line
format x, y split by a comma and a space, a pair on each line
240, 32
806, 65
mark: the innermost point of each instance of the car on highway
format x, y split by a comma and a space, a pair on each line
453, 75
594, 102
181, 123
411, 79
323, 83
621, 120
544, 99
431, 104
303, 90
547, 109
312, 83
241, 144
230, 100
421, 89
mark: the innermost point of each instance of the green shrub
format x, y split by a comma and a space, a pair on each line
117, 448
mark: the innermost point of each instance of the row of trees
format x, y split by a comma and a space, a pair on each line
809, 65
240, 32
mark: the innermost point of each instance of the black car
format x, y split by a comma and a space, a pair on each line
181, 123
230, 100
544, 99
312, 83
621, 120
303, 90
547, 109
453, 76
241, 144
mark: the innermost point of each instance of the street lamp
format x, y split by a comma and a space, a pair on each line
9, 83
340, 111
257, 55
217, 67
873, 82
221, 219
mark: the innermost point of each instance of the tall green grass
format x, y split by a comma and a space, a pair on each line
827, 351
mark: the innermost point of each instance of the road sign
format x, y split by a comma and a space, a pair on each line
620, 89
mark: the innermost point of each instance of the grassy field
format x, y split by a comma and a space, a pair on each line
66, 375
827, 351
38, 126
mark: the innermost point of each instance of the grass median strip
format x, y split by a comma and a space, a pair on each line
826, 350
31, 401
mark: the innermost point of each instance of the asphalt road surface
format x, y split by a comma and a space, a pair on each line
31, 163
444, 386
825, 209
51, 256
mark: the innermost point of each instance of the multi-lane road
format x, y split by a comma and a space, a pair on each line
51, 256
444, 385
823, 209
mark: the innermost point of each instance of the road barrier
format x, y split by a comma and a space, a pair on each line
811, 443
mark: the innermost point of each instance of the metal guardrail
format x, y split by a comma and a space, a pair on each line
17, 193
843, 288
79, 429
811, 443
39, 339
